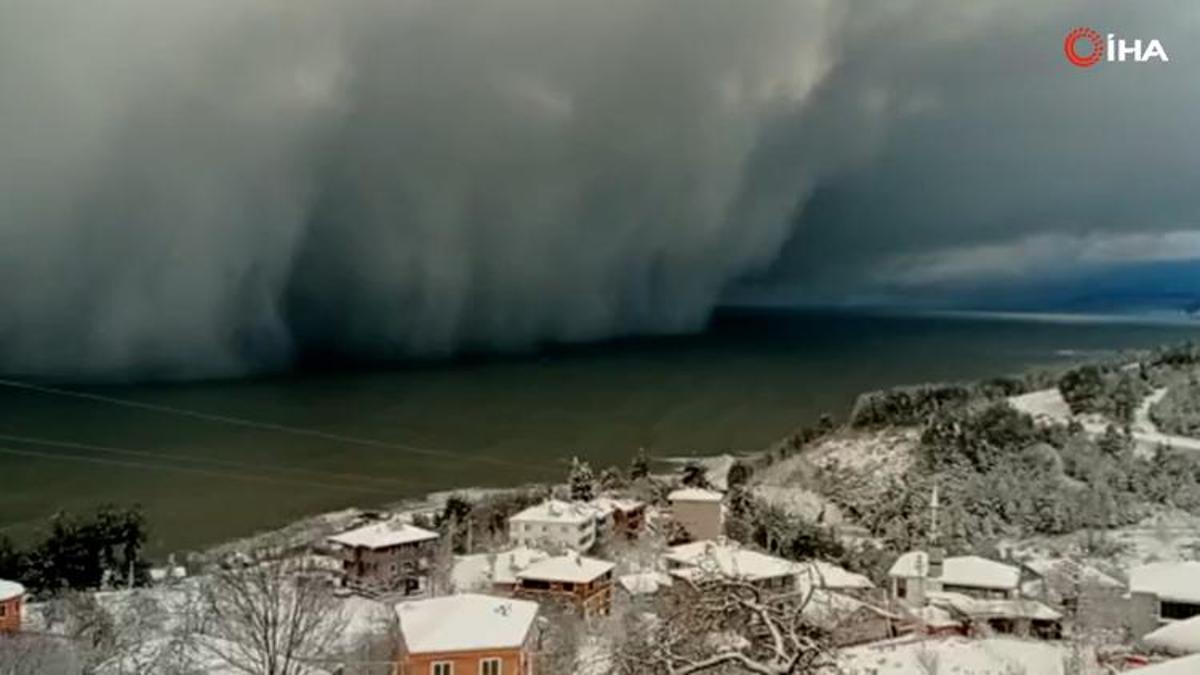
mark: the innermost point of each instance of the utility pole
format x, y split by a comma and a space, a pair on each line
934, 504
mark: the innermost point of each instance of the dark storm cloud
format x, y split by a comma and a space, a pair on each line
998, 158
201, 188
204, 188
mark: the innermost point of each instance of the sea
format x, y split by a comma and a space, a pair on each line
216, 460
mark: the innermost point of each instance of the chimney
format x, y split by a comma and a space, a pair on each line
937, 558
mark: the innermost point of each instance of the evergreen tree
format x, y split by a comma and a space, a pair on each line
739, 474
694, 475
582, 482
611, 479
639, 467
89, 553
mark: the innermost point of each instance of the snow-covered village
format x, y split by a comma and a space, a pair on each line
1046, 524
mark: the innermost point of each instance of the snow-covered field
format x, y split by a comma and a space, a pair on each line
959, 656
1048, 406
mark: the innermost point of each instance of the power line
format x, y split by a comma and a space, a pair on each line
71, 445
269, 426
190, 469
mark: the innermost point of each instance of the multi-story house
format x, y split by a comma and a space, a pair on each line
621, 516
466, 634
573, 580
556, 524
388, 557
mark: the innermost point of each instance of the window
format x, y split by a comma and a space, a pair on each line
3, 610
489, 666
901, 588
1178, 610
442, 668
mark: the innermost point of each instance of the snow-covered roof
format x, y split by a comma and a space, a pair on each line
571, 567
829, 575
1188, 665
968, 570
617, 504
383, 535
990, 656
646, 583
1020, 608
165, 573
1177, 637
464, 622
727, 558
695, 495
200, 654
1177, 581
10, 590
830, 608
557, 511
911, 564
480, 570
1071, 569
934, 616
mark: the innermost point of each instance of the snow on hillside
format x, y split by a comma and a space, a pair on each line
1048, 407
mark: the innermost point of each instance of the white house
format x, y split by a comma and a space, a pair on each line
916, 574
700, 560
1162, 592
556, 524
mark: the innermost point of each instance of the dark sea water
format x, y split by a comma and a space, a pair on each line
331, 439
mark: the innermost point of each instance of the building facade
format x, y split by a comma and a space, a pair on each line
467, 634
1161, 593
916, 574
555, 524
582, 583
388, 557
698, 512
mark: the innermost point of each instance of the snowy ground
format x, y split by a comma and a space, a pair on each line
1166, 536
716, 467
996, 656
1048, 406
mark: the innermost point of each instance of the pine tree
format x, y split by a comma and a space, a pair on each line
694, 475
739, 474
611, 479
583, 483
639, 468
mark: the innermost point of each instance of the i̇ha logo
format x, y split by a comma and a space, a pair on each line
1085, 48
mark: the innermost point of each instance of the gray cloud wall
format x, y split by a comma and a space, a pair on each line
202, 189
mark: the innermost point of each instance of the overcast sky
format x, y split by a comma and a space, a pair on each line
212, 187
996, 160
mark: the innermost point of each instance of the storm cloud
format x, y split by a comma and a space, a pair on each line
210, 188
